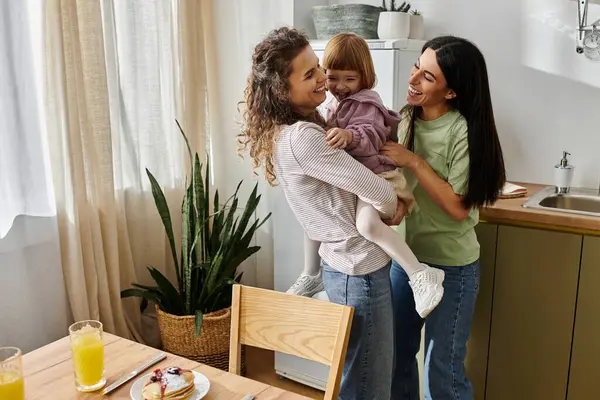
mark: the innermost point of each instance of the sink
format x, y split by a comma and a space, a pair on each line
577, 201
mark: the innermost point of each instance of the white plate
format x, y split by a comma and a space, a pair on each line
200, 381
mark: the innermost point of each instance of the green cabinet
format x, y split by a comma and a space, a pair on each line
584, 377
477, 347
533, 312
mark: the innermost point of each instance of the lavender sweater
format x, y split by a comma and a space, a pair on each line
371, 124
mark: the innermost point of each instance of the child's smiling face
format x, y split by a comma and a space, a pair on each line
342, 84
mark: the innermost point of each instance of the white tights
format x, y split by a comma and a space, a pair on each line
372, 228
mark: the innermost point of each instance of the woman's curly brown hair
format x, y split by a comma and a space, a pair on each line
266, 104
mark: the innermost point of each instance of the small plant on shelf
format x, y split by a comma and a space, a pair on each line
404, 7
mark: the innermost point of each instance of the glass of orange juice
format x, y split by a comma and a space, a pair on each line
87, 348
11, 374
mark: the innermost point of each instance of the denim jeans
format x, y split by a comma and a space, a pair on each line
369, 358
446, 334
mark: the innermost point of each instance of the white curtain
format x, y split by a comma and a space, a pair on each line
117, 78
31, 280
112, 76
24, 188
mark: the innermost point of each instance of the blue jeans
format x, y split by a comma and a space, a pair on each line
446, 334
369, 358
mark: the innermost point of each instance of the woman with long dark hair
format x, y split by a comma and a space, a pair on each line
452, 150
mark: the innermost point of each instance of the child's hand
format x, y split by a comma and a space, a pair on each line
339, 138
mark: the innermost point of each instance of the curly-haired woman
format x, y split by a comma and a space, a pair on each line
285, 136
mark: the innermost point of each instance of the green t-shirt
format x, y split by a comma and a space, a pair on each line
434, 237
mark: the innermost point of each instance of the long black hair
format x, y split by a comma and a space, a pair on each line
464, 68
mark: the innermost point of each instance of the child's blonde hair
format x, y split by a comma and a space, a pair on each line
350, 52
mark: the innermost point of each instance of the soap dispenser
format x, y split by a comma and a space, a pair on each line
563, 174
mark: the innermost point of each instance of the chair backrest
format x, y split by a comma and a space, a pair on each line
313, 329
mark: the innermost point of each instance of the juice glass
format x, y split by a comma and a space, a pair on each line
87, 348
11, 374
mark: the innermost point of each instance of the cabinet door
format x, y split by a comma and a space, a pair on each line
478, 345
533, 313
584, 376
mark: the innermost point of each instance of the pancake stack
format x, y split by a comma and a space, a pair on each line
171, 383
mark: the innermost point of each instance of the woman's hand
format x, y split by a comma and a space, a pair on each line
439, 190
399, 216
399, 154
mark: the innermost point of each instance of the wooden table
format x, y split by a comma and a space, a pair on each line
48, 373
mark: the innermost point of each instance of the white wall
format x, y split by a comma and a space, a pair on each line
33, 302
545, 95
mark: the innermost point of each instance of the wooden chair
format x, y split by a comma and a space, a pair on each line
312, 329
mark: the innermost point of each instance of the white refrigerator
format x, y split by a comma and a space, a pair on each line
393, 60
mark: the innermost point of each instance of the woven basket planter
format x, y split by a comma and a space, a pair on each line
178, 335
361, 19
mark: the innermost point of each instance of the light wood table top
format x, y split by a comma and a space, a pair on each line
48, 373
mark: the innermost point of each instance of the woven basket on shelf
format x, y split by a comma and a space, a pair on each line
178, 335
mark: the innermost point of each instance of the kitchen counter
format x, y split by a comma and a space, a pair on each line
536, 317
512, 212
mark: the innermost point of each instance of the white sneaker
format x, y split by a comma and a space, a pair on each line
307, 285
427, 289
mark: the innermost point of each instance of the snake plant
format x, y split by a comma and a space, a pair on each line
213, 245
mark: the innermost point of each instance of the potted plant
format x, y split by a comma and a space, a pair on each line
194, 315
417, 27
394, 22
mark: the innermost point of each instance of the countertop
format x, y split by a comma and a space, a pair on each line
512, 212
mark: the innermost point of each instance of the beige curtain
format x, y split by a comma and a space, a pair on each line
118, 74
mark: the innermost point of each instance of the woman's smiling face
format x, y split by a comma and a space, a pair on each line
307, 82
427, 85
